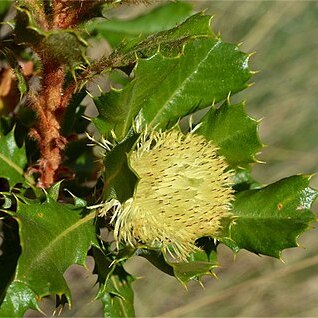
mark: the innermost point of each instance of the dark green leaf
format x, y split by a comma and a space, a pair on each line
73, 114
81, 161
12, 159
199, 263
161, 18
231, 129
166, 89
54, 191
198, 266
116, 293
272, 218
120, 180
53, 236
169, 43
20, 297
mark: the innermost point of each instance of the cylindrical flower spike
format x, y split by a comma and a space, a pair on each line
183, 193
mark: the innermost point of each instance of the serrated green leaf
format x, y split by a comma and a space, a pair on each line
118, 299
53, 236
166, 89
198, 266
116, 293
169, 43
272, 218
199, 263
161, 18
20, 297
120, 180
54, 191
12, 159
234, 132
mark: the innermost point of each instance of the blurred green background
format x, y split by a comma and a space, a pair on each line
284, 35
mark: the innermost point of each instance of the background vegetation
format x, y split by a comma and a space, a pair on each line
284, 36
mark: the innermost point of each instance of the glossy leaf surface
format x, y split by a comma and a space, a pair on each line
200, 263
48, 232
272, 218
120, 180
12, 159
231, 129
166, 89
169, 42
161, 18
115, 293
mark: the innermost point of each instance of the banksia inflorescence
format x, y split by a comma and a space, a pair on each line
183, 193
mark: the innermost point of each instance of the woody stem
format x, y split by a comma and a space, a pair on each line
47, 105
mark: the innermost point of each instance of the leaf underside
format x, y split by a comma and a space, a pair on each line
161, 18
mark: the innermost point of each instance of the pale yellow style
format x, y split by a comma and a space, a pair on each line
183, 193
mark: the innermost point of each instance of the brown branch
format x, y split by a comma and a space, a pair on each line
52, 100
47, 105
68, 14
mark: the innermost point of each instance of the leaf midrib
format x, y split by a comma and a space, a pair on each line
182, 84
53, 243
12, 164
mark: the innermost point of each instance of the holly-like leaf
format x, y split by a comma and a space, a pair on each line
272, 218
199, 263
81, 161
161, 18
166, 89
169, 42
120, 180
20, 297
53, 236
115, 293
12, 159
234, 132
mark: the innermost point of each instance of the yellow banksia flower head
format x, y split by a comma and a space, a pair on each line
183, 193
